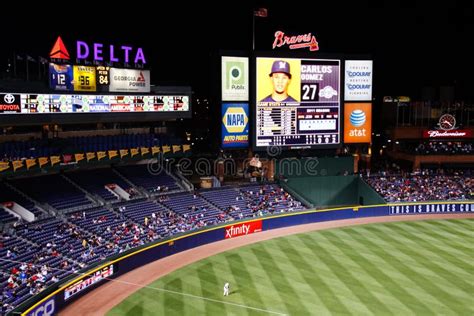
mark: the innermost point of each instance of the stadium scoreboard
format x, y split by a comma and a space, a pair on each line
310, 116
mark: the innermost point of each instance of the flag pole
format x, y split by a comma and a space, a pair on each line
39, 70
27, 72
253, 30
14, 64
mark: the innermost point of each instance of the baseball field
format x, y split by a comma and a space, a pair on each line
399, 268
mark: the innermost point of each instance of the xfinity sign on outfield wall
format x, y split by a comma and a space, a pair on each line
357, 122
235, 78
358, 80
235, 125
243, 229
129, 80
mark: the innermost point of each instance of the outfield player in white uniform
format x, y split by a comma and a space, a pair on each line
226, 289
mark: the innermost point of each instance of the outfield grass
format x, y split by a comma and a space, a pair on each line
401, 268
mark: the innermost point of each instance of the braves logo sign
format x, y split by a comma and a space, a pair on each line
295, 41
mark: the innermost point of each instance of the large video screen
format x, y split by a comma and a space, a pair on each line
297, 103
75, 103
29, 108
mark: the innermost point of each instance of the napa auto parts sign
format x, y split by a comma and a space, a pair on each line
129, 80
243, 229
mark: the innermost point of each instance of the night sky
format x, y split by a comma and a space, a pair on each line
413, 43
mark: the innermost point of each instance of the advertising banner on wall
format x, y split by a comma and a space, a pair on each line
358, 80
10, 103
431, 208
235, 78
129, 80
235, 125
243, 229
357, 122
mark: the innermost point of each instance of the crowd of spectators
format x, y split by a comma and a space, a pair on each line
396, 185
62, 247
440, 148
269, 199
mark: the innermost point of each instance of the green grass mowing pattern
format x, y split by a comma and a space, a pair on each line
401, 268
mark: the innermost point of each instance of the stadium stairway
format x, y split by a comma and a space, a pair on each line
27, 201
225, 197
94, 198
142, 192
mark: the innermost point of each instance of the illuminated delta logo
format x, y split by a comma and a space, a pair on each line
357, 118
99, 52
235, 120
235, 75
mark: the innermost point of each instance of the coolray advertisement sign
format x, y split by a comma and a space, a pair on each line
357, 123
297, 102
358, 80
75, 103
10, 103
60, 77
235, 125
129, 80
243, 229
431, 208
235, 78
84, 78
87, 281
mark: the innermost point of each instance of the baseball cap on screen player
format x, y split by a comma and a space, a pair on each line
281, 66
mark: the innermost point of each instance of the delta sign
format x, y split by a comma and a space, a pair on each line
99, 52
235, 130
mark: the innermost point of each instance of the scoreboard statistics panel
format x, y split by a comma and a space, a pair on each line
308, 116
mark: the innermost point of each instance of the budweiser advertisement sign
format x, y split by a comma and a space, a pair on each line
243, 229
458, 133
295, 41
